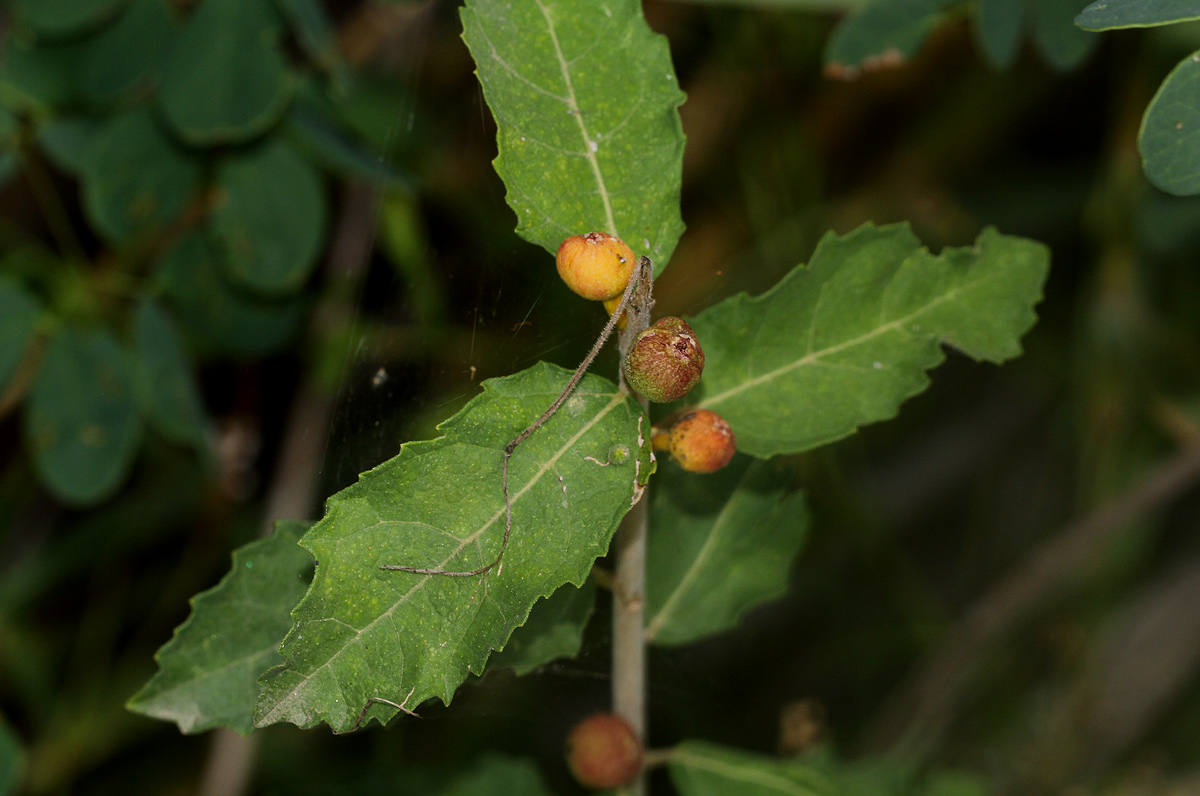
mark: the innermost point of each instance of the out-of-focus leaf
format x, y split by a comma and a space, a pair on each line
10, 129
226, 80
721, 545
1110, 14
954, 783
270, 218
19, 312
585, 100
337, 153
1167, 141
81, 421
313, 31
1060, 41
40, 75
62, 17
12, 760
402, 235
494, 775
883, 32
842, 342
65, 141
362, 632
220, 316
803, 5
554, 630
998, 26
123, 56
134, 178
169, 395
703, 769
207, 673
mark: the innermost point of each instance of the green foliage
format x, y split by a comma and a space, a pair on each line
885, 31
207, 672
134, 178
270, 218
498, 776
703, 769
60, 17
841, 342
166, 388
12, 759
554, 629
124, 57
1169, 151
721, 545
81, 421
226, 81
19, 312
364, 633
585, 101
1112, 14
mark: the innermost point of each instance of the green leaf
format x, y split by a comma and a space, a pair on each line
364, 633
1167, 140
313, 32
1110, 14
1063, 45
554, 629
270, 218
63, 17
12, 760
842, 342
218, 315
722, 544
494, 775
168, 392
65, 141
998, 27
333, 150
807, 5
703, 769
208, 671
135, 179
954, 783
19, 313
585, 101
226, 80
127, 54
885, 29
81, 422
39, 75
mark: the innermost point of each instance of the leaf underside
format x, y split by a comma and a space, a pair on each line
207, 673
363, 633
842, 342
588, 132
1110, 14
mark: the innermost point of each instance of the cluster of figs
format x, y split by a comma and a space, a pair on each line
664, 362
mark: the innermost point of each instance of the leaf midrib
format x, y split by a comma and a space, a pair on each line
813, 356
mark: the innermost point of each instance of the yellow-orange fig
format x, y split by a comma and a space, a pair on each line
702, 442
596, 265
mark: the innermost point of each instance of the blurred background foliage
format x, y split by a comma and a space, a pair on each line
248, 247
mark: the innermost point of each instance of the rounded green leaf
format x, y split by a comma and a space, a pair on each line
217, 314
166, 387
1063, 45
226, 80
1168, 143
270, 218
125, 55
19, 312
65, 141
134, 178
588, 132
884, 29
998, 27
81, 421
40, 74
62, 17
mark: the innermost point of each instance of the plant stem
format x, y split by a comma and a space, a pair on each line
629, 648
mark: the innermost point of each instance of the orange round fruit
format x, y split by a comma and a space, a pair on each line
702, 442
596, 265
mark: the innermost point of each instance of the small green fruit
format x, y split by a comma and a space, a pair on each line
603, 752
597, 266
665, 361
702, 442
